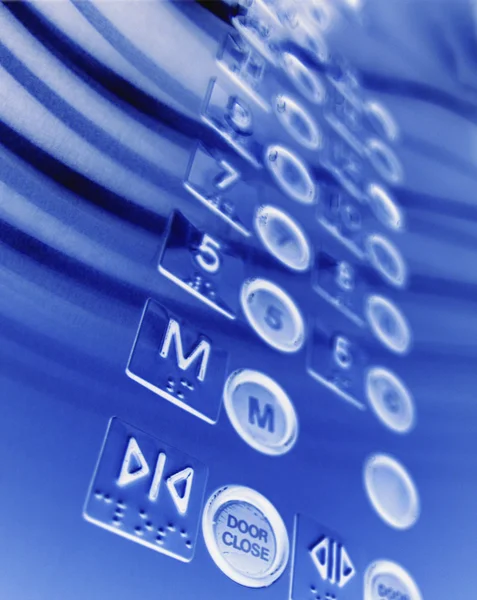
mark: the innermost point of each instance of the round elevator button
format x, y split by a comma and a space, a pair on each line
260, 411
386, 580
245, 536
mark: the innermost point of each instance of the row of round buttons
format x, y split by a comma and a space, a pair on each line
276, 318
248, 540
272, 313
390, 488
266, 315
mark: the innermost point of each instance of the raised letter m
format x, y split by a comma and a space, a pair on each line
261, 419
184, 362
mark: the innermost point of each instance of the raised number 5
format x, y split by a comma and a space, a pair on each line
208, 257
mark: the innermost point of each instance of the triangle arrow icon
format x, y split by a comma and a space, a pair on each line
321, 557
347, 569
180, 486
134, 465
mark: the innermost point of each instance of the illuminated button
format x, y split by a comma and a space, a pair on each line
386, 580
261, 412
291, 174
391, 491
387, 260
306, 81
390, 400
384, 208
245, 536
384, 160
297, 122
283, 238
273, 315
388, 324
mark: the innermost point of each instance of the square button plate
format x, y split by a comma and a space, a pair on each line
323, 566
173, 359
147, 491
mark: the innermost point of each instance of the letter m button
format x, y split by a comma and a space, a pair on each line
177, 362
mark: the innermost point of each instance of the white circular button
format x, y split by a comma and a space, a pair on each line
391, 491
304, 79
283, 238
388, 324
387, 260
297, 122
390, 400
273, 315
384, 160
261, 412
245, 536
381, 120
291, 174
384, 207
386, 580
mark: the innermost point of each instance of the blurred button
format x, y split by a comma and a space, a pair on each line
385, 580
245, 536
386, 259
291, 174
261, 412
388, 324
298, 123
384, 207
303, 78
390, 400
283, 238
391, 491
384, 161
273, 315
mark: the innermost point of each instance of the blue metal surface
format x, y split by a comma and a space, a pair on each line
104, 107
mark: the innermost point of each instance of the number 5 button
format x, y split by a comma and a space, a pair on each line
273, 315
